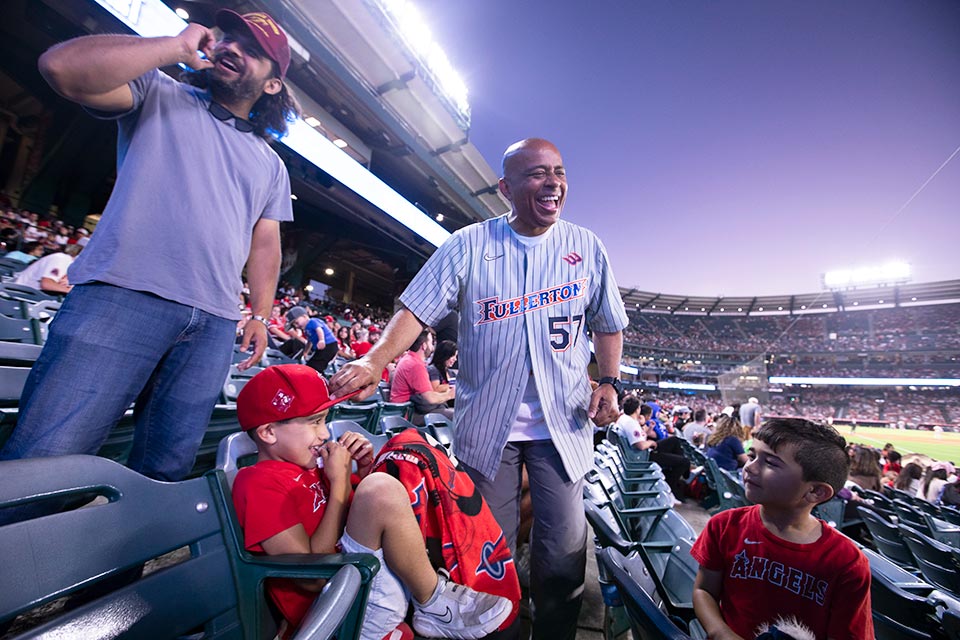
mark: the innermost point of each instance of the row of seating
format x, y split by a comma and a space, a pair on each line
214, 585
643, 546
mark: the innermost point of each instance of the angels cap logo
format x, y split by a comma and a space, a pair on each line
262, 22
282, 401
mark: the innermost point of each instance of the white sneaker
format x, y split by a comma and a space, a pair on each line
457, 611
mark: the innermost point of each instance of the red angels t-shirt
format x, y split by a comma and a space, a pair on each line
825, 584
272, 496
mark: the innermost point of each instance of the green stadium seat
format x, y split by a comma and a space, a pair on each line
217, 587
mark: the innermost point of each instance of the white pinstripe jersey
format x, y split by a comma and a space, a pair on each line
512, 298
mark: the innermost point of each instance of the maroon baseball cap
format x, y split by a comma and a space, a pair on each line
265, 31
283, 392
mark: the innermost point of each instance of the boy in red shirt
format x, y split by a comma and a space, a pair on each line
296, 498
774, 559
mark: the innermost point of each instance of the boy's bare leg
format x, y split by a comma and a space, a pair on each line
381, 516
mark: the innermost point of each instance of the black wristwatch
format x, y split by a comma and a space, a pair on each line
613, 382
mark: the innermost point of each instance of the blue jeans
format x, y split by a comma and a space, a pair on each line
109, 347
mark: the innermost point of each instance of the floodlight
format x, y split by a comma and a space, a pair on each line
890, 273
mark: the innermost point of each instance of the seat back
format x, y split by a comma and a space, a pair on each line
54, 555
393, 424
936, 562
236, 451
339, 427
831, 511
943, 531
402, 409
365, 414
886, 537
909, 514
899, 614
647, 620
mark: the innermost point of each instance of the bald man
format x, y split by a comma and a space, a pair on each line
527, 286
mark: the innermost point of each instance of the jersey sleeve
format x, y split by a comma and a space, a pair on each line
435, 291
605, 312
850, 615
706, 550
265, 507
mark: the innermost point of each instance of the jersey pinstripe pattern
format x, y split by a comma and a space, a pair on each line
512, 298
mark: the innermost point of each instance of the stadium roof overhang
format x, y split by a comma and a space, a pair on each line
825, 301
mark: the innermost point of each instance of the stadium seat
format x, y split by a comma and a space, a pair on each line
908, 514
900, 614
339, 427
633, 584
23, 292
11, 308
951, 624
943, 531
730, 491
12, 380
886, 538
831, 512
395, 424
364, 414
18, 330
217, 587
939, 564
236, 451
950, 514
402, 409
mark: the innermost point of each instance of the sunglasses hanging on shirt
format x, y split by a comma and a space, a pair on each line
223, 115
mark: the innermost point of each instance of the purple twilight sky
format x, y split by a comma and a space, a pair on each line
730, 147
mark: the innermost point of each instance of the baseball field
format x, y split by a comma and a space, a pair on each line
941, 446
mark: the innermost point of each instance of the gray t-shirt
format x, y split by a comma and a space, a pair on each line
748, 414
189, 190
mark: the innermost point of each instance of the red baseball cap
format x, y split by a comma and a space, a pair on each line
283, 392
329, 319
265, 31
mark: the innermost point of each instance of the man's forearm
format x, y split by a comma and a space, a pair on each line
263, 266
101, 63
608, 347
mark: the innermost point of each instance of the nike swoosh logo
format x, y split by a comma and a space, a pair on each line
749, 541
491, 258
446, 618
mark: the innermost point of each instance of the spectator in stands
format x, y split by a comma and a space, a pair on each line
528, 399
667, 452
343, 343
893, 462
725, 444
49, 273
698, 427
910, 479
288, 503
750, 416
951, 494
654, 430
865, 469
30, 252
443, 359
322, 347
774, 558
166, 257
934, 480
411, 382
361, 345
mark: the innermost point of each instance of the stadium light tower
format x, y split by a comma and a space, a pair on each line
875, 276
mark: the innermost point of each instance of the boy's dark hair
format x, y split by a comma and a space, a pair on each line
630, 405
646, 410
893, 456
819, 449
700, 415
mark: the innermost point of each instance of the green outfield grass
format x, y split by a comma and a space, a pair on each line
943, 446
